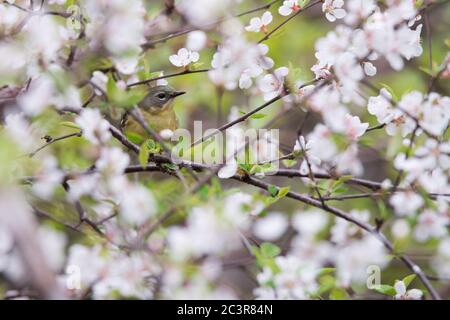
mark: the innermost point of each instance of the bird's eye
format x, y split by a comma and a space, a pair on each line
161, 96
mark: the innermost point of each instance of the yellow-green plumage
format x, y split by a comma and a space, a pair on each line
157, 110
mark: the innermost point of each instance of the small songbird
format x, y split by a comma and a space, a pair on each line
157, 110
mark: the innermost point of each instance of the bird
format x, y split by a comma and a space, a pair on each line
157, 110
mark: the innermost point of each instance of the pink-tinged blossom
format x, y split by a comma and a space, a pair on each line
288, 7
333, 9
93, 126
260, 24
184, 57
354, 128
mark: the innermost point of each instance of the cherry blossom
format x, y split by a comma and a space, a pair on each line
431, 225
184, 57
271, 227
272, 85
333, 9
354, 128
260, 24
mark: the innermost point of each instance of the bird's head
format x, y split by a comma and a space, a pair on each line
159, 98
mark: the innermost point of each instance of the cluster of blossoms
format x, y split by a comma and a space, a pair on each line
53, 65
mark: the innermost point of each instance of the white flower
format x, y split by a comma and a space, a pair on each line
196, 40
93, 126
272, 85
137, 204
166, 134
344, 231
309, 223
359, 10
402, 294
406, 203
400, 229
112, 161
48, 178
260, 24
354, 128
228, 170
441, 262
288, 7
333, 9
184, 57
271, 227
370, 69
353, 258
99, 79
431, 225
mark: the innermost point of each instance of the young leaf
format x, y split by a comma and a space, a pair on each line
408, 279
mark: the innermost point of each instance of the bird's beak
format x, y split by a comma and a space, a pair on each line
178, 93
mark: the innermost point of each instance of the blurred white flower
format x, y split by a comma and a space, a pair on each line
402, 294
196, 40
354, 128
112, 161
93, 126
166, 134
288, 7
400, 229
369, 69
431, 224
184, 57
99, 79
309, 223
260, 24
406, 203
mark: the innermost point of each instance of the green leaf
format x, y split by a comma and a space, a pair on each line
257, 116
269, 250
339, 294
69, 124
385, 289
408, 279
